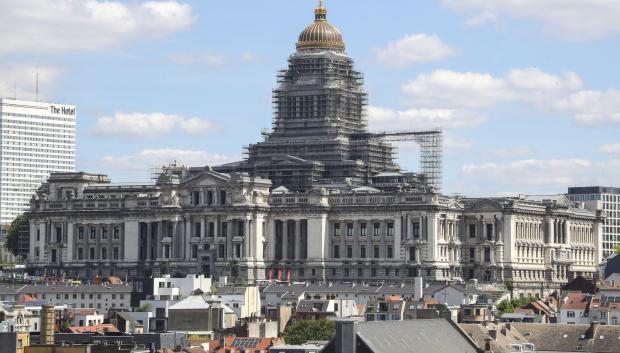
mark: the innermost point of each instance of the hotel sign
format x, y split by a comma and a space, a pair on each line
62, 110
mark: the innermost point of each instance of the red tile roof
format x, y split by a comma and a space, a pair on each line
95, 328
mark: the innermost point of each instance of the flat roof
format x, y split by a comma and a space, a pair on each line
593, 190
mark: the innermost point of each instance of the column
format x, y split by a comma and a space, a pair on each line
149, 230
297, 240
70, 227
203, 226
174, 246
187, 234
246, 239
285, 239
229, 236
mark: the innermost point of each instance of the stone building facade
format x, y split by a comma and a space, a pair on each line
200, 221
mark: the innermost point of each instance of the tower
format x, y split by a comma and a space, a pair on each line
319, 106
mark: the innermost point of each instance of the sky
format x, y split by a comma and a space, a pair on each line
527, 92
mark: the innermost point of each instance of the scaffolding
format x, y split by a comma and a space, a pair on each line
431, 149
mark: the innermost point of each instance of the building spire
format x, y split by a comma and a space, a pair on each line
320, 13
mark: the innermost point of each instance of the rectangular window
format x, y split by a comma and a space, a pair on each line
472, 254
116, 253
349, 251
412, 253
390, 228
415, 228
197, 230
104, 253
220, 250
80, 254
376, 252
196, 198
211, 229
224, 229
80, 233
117, 233
487, 254
194, 251
472, 230
349, 229
390, 251
363, 229
58, 234
373, 272
376, 230
489, 232
336, 252
222, 197
363, 252
93, 233
336, 229
92, 253
209, 197
570, 314
104, 233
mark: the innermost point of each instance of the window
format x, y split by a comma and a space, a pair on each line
489, 232
363, 251
373, 272
347, 272
360, 272
197, 230
336, 229
222, 197
104, 253
349, 251
93, 233
349, 229
472, 254
80, 233
336, 251
363, 229
209, 197
412, 253
92, 253
390, 228
376, 230
220, 251
58, 234
211, 229
415, 228
390, 251
104, 233
196, 198
487, 254
117, 233
115, 253
376, 252
80, 254
472, 230
194, 251
570, 314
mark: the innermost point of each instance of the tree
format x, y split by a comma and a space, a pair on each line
315, 330
509, 305
145, 308
13, 233
617, 249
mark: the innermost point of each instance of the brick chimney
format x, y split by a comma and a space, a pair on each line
48, 324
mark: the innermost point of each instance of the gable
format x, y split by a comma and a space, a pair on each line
207, 178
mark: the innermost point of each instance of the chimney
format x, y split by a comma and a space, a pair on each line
418, 288
493, 334
346, 336
48, 323
487, 345
593, 327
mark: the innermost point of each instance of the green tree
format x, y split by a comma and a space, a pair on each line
304, 331
509, 305
617, 249
13, 232
145, 308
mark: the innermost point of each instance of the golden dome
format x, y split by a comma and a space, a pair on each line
321, 34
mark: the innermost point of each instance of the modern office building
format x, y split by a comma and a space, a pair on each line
606, 199
37, 139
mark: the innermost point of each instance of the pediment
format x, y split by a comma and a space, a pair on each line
485, 205
207, 178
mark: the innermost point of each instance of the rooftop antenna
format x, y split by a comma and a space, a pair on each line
36, 90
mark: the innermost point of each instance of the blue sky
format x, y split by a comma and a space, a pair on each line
527, 92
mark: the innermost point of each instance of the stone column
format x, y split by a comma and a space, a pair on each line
174, 245
297, 240
246, 240
187, 234
149, 230
229, 236
70, 242
285, 239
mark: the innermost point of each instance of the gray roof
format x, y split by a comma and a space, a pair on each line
15, 289
571, 338
229, 290
414, 336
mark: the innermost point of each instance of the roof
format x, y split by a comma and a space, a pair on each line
504, 338
197, 301
94, 328
414, 336
230, 290
35, 289
576, 301
571, 338
313, 306
247, 344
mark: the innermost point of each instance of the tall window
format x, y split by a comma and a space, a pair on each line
92, 253
198, 231
349, 229
80, 233
415, 227
117, 233
489, 232
80, 254
376, 252
363, 229
390, 228
115, 253
376, 230
363, 251
472, 230
349, 251
222, 197
412, 253
93, 233
196, 198
487, 254
209, 197
336, 251
104, 233
104, 253
336, 229
390, 251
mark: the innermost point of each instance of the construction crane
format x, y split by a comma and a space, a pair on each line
431, 149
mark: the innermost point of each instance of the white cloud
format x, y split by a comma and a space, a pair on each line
413, 48
249, 57
212, 59
481, 19
445, 88
534, 175
593, 108
145, 159
413, 119
19, 80
514, 152
454, 143
91, 25
151, 125
571, 19
610, 148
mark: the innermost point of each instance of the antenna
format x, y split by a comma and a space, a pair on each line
36, 90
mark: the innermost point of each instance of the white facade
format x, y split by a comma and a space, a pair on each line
37, 139
608, 200
170, 288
